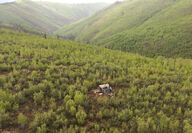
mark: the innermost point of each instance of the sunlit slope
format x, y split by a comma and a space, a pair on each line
45, 16
147, 27
74, 11
46, 85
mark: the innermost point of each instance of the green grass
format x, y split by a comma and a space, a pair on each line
46, 85
148, 27
45, 16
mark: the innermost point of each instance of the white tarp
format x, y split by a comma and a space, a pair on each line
104, 86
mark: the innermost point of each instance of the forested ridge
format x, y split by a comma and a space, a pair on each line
46, 87
148, 27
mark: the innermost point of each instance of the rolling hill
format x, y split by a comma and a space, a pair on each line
47, 86
45, 16
148, 27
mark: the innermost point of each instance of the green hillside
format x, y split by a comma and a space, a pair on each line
45, 16
147, 27
46, 86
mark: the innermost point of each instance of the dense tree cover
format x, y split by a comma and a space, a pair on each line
46, 86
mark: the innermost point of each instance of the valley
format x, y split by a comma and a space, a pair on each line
45, 16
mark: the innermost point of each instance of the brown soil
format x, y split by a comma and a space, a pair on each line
4, 73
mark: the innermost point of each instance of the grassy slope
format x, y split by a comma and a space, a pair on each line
148, 27
46, 86
45, 16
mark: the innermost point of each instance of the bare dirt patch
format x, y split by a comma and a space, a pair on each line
4, 73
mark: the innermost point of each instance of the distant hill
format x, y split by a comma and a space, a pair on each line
45, 16
147, 27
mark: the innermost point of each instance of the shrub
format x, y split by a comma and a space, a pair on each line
4, 68
4, 119
70, 107
22, 120
81, 116
79, 98
2, 80
42, 129
38, 97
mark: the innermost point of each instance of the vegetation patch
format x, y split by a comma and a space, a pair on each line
48, 88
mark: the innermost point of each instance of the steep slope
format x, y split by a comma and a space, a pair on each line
45, 16
74, 11
148, 27
46, 85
